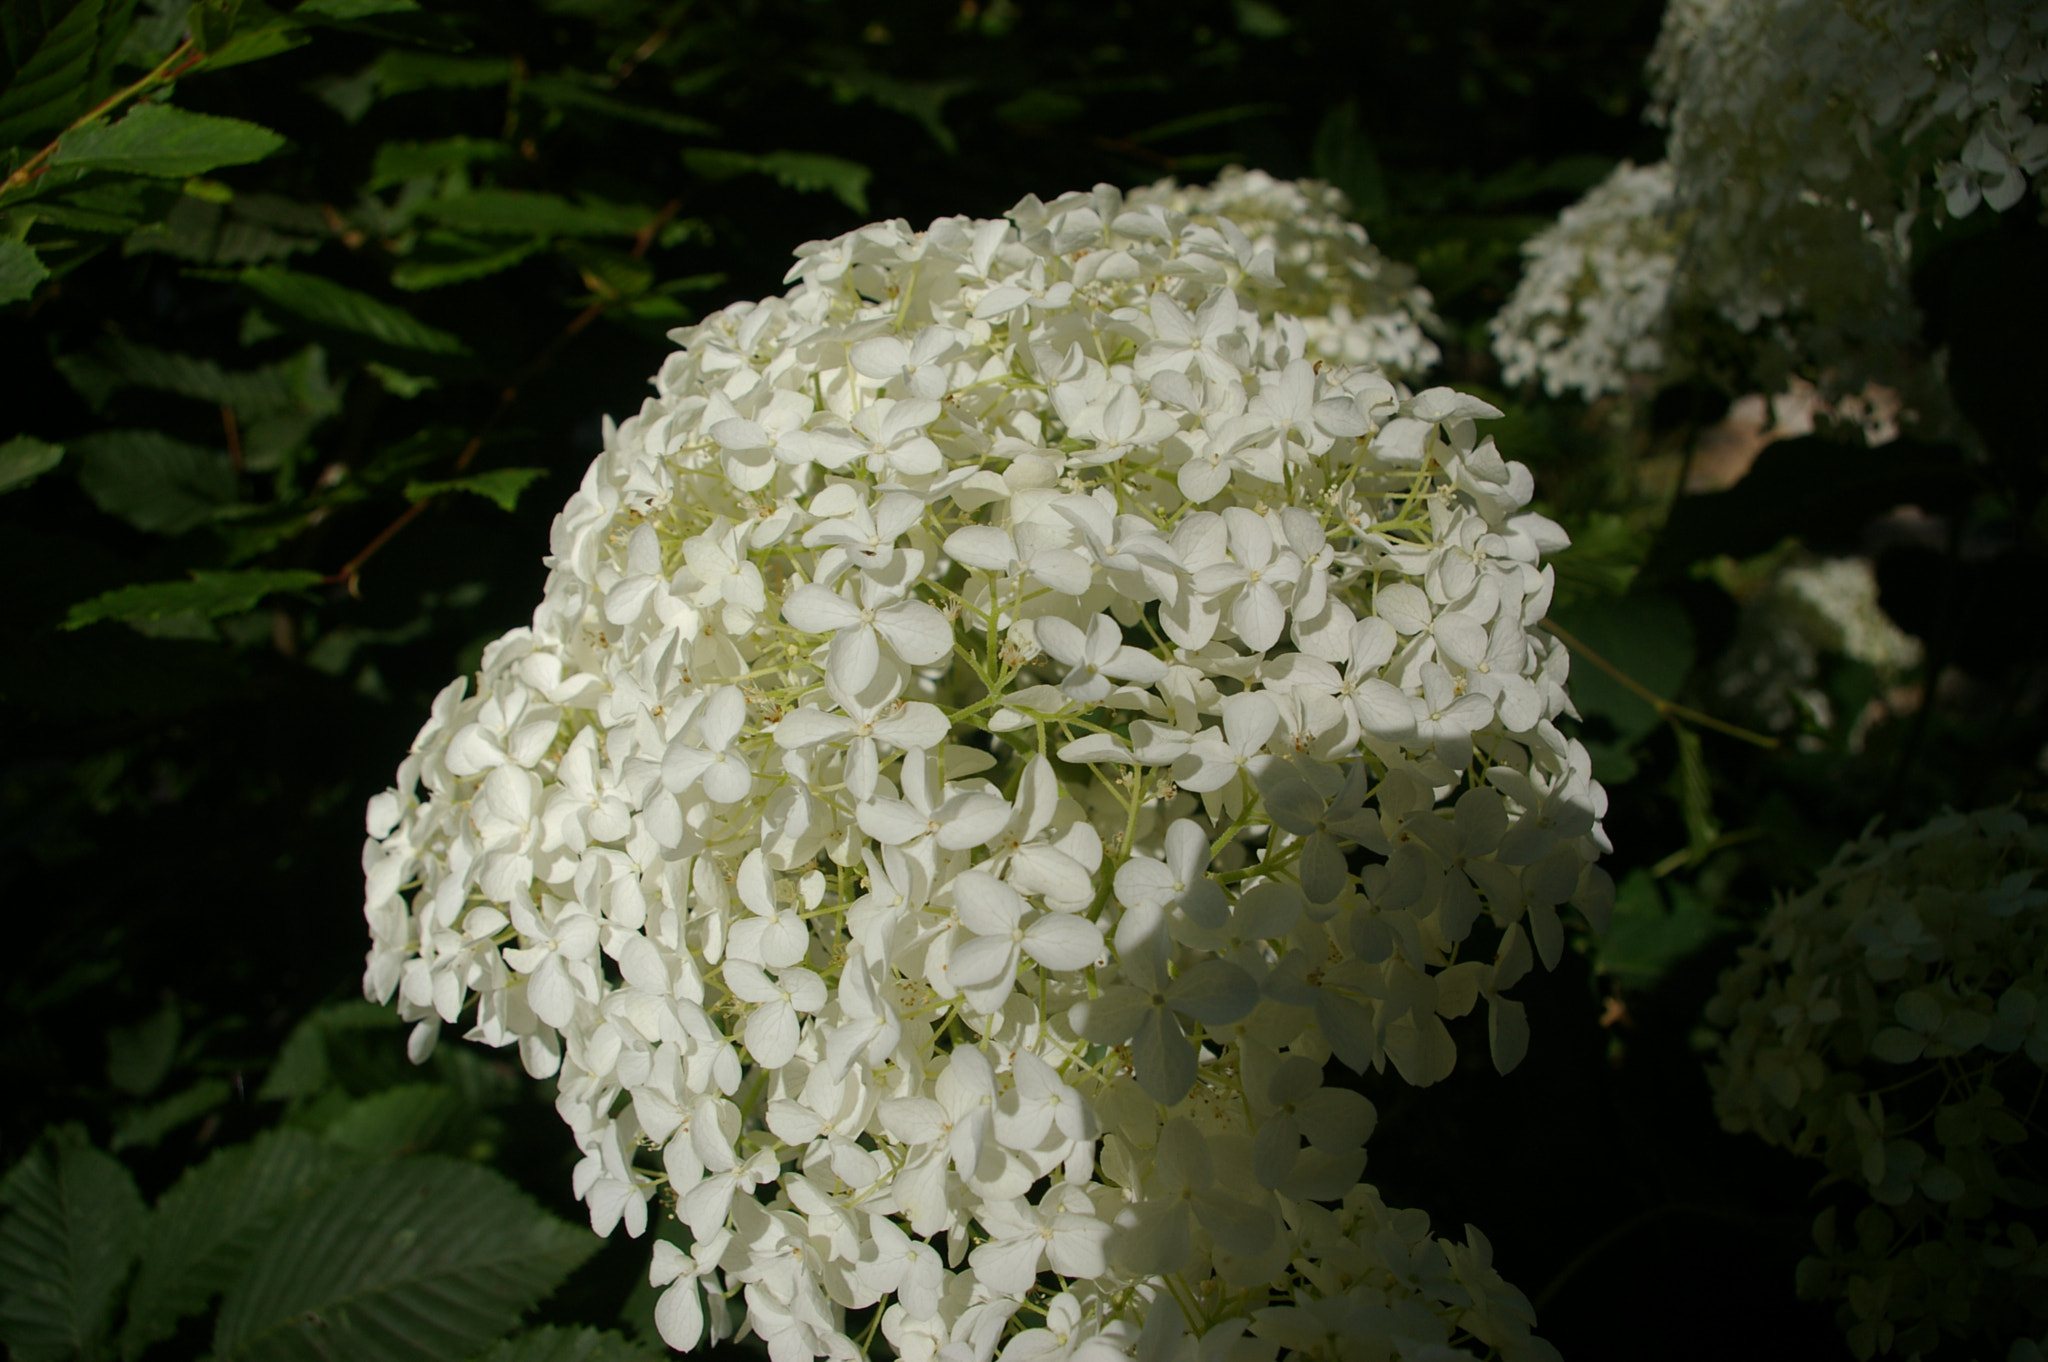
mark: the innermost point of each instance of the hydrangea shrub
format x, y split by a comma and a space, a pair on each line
1003, 719
1892, 1022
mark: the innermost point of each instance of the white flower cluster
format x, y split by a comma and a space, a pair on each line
1803, 134
1001, 719
1591, 308
1357, 306
1893, 1023
1807, 608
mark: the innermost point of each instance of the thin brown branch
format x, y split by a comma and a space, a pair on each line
169, 69
233, 431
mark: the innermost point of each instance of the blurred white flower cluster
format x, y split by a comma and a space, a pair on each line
1805, 139
1806, 609
1002, 717
1357, 306
1592, 305
1892, 1022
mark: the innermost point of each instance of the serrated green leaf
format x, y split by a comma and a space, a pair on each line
419, 1260
443, 258
51, 87
413, 1118
206, 1226
24, 458
152, 481
72, 1218
20, 271
515, 212
501, 485
328, 304
553, 1344
803, 171
146, 1126
208, 595
397, 162
156, 139
1648, 637
212, 23
299, 384
565, 92
352, 9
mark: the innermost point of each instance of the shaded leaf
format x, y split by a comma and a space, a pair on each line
152, 481
144, 1127
804, 171
1695, 792
501, 485
569, 1345
302, 1068
249, 229
24, 458
1647, 936
444, 258
1345, 156
139, 1056
208, 1223
1646, 636
328, 304
565, 92
518, 213
208, 595
72, 1219
299, 384
420, 1260
50, 88
397, 162
20, 271
156, 139
923, 100
1209, 118
414, 1118
398, 72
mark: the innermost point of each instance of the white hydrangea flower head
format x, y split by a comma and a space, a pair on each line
1593, 303
1806, 137
1892, 1022
1311, 259
1001, 718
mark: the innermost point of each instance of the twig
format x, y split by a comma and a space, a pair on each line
169, 69
1666, 709
234, 435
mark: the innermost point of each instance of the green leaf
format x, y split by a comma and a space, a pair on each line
1695, 793
210, 1221
515, 212
51, 87
152, 481
346, 10
146, 1126
334, 306
923, 100
139, 1056
156, 139
72, 1219
212, 23
302, 1068
299, 384
803, 171
1211, 118
414, 1118
24, 458
397, 162
1646, 936
399, 72
565, 92
208, 595
421, 1260
1260, 20
1646, 636
501, 485
553, 1344
443, 258
20, 271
